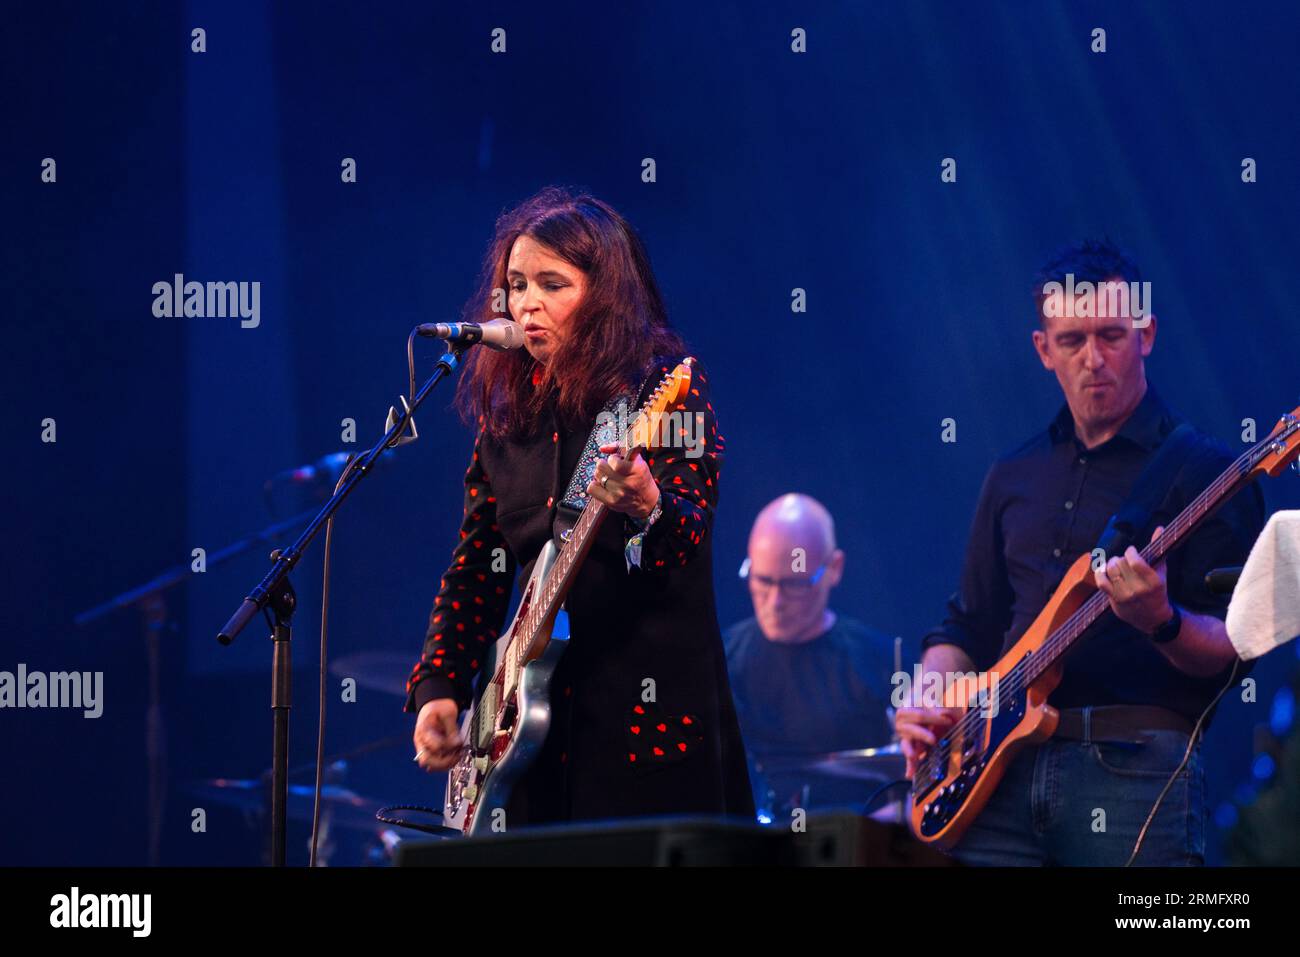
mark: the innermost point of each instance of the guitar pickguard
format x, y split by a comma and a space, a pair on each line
503, 742
970, 754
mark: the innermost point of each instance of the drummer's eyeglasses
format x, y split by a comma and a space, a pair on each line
795, 587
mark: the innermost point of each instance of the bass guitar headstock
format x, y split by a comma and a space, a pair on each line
1281, 448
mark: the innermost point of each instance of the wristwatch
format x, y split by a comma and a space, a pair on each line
1170, 629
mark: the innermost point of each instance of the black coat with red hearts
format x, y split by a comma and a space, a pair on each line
642, 721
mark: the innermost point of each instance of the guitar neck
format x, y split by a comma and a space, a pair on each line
532, 635
1232, 480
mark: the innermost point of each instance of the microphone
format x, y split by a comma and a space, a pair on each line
498, 334
326, 469
1221, 581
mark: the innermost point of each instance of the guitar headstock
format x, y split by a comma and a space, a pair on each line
1282, 447
647, 429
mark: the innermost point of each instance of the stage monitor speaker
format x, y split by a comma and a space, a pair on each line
659, 842
843, 840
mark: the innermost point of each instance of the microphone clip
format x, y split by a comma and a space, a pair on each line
410, 435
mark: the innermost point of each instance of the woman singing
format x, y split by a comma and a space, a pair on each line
642, 718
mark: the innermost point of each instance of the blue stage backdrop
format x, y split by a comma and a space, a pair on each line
773, 171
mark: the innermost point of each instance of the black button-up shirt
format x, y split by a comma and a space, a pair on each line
1048, 502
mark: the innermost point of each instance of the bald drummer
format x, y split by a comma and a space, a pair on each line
806, 680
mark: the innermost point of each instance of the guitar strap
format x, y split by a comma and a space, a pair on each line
1144, 509
570, 505
569, 508
1133, 523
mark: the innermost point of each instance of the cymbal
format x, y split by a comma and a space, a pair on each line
346, 808
863, 764
384, 671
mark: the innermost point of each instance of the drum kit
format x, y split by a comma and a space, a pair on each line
782, 782
857, 778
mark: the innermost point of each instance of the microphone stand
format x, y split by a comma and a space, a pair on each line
275, 592
156, 618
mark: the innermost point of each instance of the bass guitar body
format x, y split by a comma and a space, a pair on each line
950, 791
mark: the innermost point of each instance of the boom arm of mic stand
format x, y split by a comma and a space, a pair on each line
285, 560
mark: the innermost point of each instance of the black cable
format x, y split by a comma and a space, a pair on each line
410, 366
324, 659
1187, 756
441, 829
324, 623
866, 805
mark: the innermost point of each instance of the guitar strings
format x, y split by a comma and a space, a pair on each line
592, 512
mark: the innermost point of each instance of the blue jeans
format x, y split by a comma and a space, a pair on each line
1082, 803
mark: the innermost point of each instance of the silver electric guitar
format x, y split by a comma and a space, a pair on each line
507, 723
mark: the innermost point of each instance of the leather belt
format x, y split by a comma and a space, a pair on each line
1120, 722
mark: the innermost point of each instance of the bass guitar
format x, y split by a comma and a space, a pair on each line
955, 780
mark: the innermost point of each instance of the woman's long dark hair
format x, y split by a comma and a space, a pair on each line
617, 329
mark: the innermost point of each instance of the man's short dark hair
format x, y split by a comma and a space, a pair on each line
1094, 260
